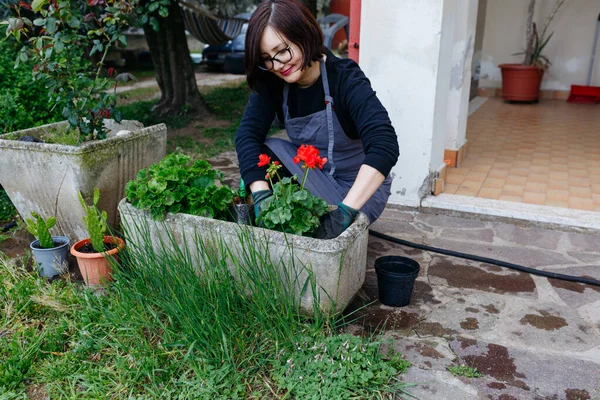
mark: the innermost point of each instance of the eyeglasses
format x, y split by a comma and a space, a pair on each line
282, 57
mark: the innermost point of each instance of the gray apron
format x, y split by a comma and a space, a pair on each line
344, 155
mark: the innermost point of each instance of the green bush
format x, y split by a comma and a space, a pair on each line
23, 101
7, 209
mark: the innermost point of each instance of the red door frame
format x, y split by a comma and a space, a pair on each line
354, 45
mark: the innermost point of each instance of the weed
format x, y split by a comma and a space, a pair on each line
464, 370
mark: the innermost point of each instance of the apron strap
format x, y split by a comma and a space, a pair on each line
328, 105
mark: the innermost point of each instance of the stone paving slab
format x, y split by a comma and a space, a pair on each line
531, 337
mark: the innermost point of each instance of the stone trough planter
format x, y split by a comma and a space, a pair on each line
46, 178
338, 265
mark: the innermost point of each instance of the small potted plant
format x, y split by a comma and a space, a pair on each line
521, 82
93, 254
50, 252
292, 208
242, 212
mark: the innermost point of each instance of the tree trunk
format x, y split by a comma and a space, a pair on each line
173, 65
312, 6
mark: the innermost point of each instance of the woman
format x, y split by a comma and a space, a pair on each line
322, 100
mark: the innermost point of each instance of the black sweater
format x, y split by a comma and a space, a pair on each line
358, 109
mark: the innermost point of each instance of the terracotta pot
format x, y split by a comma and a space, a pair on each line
95, 267
521, 82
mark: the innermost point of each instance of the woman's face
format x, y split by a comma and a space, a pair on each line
273, 44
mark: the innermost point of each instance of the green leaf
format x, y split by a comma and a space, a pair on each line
153, 6
50, 222
157, 185
96, 195
37, 5
39, 22
59, 46
51, 26
154, 23
163, 12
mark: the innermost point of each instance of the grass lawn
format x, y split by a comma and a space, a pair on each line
199, 138
166, 330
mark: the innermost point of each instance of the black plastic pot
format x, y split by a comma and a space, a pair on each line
396, 278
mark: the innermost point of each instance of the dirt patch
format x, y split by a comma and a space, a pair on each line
17, 244
36, 392
423, 292
469, 277
426, 351
577, 394
470, 324
491, 309
498, 364
546, 321
573, 286
434, 329
387, 320
496, 385
471, 310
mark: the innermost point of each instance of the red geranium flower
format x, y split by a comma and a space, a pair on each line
310, 156
263, 160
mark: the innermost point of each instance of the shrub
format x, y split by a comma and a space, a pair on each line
7, 209
23, 100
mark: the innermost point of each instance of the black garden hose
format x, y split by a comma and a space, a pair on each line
8, 226
553, 275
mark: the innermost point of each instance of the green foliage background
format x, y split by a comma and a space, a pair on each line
23, 101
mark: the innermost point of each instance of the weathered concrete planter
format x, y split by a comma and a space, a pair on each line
45, 178
338, 265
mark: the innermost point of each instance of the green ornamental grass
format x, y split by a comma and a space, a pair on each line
174, 325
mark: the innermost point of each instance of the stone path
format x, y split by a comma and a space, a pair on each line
202, 79
531, 337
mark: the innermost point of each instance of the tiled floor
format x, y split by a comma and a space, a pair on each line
546, 154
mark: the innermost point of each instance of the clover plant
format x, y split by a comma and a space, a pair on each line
179, 185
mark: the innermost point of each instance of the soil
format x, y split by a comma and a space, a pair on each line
87, 248
54, 244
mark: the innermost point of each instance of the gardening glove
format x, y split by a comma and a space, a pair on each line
258, 197
335, 222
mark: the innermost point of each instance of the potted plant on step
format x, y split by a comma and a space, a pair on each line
92, 146
522, 82
93, 253
50, 252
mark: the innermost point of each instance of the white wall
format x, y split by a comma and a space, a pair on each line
569, 50
463, 45
407, 57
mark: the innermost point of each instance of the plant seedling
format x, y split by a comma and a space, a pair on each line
465, 370
40, 229
95, 221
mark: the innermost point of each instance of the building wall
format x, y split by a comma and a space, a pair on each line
569, 50
406, 52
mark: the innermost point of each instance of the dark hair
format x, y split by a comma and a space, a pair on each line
293, 20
